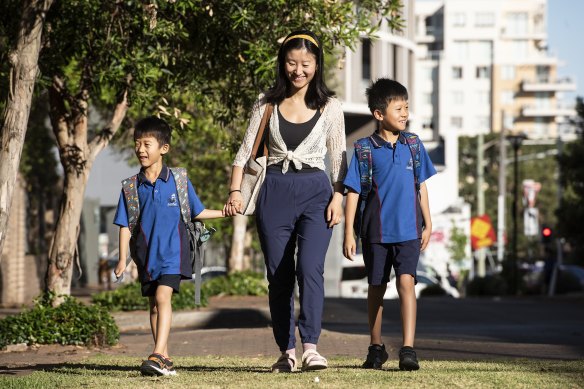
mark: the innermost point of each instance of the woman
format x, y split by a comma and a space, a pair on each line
296, 204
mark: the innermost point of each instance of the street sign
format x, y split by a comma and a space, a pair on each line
482, 233
530, 221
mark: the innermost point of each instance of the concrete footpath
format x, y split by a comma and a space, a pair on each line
448, 329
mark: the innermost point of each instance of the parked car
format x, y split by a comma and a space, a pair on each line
354, 284
570, 278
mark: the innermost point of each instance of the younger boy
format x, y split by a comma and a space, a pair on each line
395, 223
160, 246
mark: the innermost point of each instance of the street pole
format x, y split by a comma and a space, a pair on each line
559, 240
501, 196
480, 253
514, 210
516, 143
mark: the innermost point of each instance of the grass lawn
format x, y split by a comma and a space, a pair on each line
104, 371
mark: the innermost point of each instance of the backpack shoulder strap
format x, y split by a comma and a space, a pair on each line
413, 142
194, 229
363, 149
182, 188
130, 189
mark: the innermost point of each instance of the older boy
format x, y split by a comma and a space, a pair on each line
395, 224
160, 245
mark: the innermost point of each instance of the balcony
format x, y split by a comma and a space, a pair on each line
543, 111
545, 84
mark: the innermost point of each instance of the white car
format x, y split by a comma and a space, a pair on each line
353, 282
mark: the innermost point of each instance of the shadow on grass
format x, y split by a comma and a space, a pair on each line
227, 369
62, 368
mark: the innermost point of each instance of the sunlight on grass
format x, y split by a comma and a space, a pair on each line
104, 371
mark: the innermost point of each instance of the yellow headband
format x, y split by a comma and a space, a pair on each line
303, 36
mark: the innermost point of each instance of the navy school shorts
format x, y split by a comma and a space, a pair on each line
171, 280
379, 258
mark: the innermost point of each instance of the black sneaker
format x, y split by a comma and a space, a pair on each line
408, 359
376, 357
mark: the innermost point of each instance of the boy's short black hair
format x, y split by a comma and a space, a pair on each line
382, 92
155, 127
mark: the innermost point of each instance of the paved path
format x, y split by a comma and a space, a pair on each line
447, 329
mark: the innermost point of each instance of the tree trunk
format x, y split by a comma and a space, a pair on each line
77, 157
23, 72
63, 251
236, 258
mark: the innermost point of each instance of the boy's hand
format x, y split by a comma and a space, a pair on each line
234, 204
425, 239
119, 270
349, 247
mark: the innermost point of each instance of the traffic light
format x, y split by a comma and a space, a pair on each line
547, 234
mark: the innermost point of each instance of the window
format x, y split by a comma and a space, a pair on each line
520, 48
427, 98
482, 51
457, 97
508, 122
483, 122
456, 122
507, 72
517, 23
460, 50
483, 97
542, 73
482, 72
507, 97
484, 19
366, 59
457, 72
458, 19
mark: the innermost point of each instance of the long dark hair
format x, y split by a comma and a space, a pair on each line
318, 93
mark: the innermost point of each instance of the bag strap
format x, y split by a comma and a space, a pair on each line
260, 135
413, 142
363, 149
182, 188
130, 189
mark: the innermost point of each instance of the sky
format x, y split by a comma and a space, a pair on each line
565, 25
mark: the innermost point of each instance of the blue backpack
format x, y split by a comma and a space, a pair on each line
365, 160
198, 234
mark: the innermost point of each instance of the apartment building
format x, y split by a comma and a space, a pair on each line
482, 58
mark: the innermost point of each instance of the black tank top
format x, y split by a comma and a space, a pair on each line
293, 134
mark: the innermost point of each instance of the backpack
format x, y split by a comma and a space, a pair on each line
198, 234
365, 160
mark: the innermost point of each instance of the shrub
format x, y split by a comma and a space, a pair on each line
491, 285
71, 323
245, 283
129, 296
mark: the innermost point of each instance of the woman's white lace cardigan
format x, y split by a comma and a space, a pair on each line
327, 135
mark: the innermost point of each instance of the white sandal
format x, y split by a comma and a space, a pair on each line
312, 360
285, 364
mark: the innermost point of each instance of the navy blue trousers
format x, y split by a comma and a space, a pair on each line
290, 211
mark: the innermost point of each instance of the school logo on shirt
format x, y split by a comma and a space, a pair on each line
172, 201
410, 164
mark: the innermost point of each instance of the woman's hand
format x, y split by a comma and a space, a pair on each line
334, 211
234, 204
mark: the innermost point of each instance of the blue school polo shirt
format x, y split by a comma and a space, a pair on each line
392, 211
162, 244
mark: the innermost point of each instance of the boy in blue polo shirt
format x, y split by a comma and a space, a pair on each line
161, 245
395, 224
